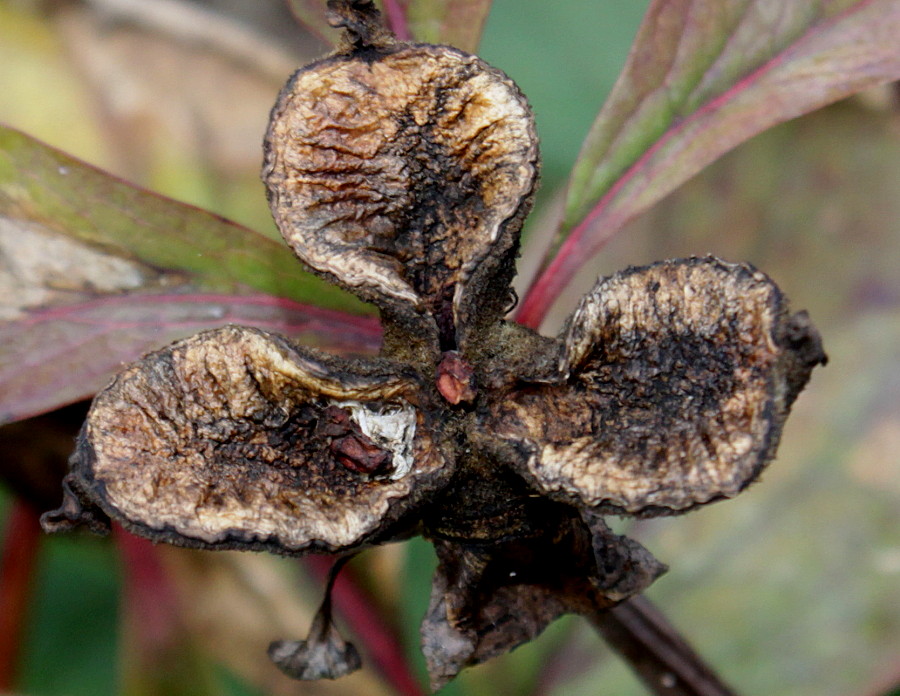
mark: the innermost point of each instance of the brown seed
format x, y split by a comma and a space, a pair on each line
358, 453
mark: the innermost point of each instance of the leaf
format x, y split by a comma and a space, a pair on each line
95, 272
455, 22
54, 356
702, 77
44, 186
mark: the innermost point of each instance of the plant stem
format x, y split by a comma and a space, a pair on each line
17, 565
657, 653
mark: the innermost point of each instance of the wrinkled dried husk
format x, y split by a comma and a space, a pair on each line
486, 600
677, 380
403, 173
223, 440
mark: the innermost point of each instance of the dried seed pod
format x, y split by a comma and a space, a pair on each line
403, 173
227, 440
678, 379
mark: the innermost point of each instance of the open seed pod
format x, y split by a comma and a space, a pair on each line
403, 172
675, 382
236, 438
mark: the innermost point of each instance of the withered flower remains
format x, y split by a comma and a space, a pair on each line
403, 172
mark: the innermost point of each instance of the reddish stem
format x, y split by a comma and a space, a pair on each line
376, 634
396, 17
549, 284
553, 276
17, 568
150, 599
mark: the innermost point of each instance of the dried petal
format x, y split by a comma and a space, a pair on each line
403, 172
226, 440
678, 379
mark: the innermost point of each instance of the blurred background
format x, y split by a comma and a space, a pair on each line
793, 588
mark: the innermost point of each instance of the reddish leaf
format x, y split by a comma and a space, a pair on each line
58, 355
702, 77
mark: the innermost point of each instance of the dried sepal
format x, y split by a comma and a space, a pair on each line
403, 173
487, 599
236, 438
624, 567
677, 379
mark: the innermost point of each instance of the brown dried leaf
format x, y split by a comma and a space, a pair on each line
402, 173
678, 379
227, 440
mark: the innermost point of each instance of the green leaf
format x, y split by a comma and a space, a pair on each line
702, 77
455, 22
95, 272
43, 186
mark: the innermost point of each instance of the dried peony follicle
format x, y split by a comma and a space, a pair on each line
236, 438
401, 172
675, 379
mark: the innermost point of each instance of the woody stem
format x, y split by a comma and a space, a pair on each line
657, 653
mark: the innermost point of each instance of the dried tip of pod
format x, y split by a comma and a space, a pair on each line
803, 338
624, 567
73, 514
805, 351
362, 22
